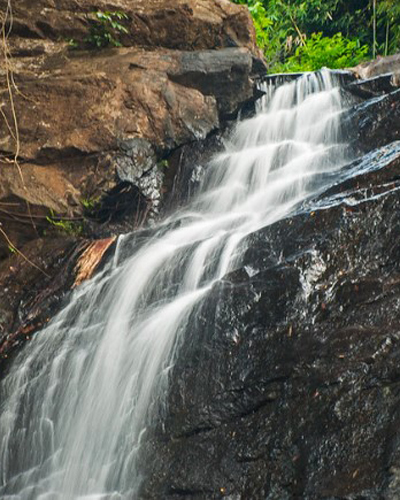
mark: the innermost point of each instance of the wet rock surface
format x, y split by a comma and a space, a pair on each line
288, 384
33, 287
186, 168
377, 119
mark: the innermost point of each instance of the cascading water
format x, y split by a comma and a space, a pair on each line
78, 398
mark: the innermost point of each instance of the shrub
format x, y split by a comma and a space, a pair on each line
106, 29
333, 52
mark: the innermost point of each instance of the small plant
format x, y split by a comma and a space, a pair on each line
71, 228
90, 203
106, 29
72, 43
163, 164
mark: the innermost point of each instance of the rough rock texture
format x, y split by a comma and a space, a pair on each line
94, 127
287, 386
33, 287
77, 109
379, 66
180, 24
375, 121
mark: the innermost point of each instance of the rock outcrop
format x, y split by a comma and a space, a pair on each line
92, 128
180, 24
71, 109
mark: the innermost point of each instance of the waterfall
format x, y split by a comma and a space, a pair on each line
78, 399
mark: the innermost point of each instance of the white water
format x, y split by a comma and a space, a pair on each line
77, 401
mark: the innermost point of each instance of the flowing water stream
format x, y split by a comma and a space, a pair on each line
78, 398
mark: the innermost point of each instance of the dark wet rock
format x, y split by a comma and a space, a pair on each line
37, 283
33, 287
136, 165
186, 168
345, 77
206, 71
288, 383
377, 121
136, 158
372, 87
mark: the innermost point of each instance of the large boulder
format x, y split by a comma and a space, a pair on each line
89, 101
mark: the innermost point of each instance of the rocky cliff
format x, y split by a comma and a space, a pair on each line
288, 385
88, 131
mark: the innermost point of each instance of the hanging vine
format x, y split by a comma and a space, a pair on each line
11, 123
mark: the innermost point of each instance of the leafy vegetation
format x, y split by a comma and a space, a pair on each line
317, 52
388, 25
70, 227
299, 35
106, 29
163, 164
90, 203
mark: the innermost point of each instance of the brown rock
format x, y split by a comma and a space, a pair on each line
87, 102
379, 66
46, 186
74, 110
79, 112
180, 24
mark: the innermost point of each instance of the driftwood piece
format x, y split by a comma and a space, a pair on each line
91, 258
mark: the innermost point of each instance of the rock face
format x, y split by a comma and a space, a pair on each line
287, 385
93, 128
70, 107
181, 24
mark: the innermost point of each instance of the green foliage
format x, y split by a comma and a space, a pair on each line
332, 52
71, 228
163, 164
294, 34
274, 28
262, 22
90, 203
72, 43
106, 29
388, 21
